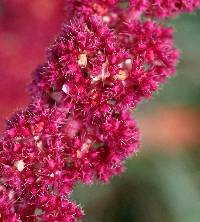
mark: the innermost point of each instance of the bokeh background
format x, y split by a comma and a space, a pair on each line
161, 183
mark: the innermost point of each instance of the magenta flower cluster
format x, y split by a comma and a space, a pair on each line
109, 56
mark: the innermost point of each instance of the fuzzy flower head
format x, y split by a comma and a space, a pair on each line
78, 126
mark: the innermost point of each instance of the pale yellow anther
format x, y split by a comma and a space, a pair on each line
78, 154
82, 60
122, 75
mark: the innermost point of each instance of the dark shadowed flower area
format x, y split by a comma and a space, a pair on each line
162, 180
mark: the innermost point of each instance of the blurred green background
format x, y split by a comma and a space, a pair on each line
161, 183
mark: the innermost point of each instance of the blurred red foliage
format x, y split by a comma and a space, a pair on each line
171, 128
26, 29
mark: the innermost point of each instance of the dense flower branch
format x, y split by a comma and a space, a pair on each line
78, 127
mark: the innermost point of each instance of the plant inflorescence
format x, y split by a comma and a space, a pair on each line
108, 57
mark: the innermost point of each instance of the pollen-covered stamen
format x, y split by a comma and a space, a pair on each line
19, 165
82, 60
103, 74
84, 148
122, 75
